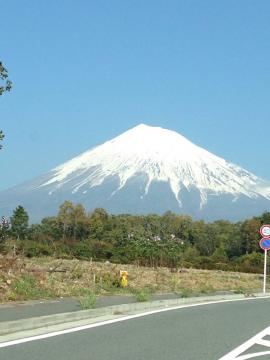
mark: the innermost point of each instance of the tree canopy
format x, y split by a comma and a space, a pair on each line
19, 222
1, 138
5, 85
152, 240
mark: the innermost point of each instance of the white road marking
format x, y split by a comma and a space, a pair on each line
251, 356
255, 340
264, 342
124, 318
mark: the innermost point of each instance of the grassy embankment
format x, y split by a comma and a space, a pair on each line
41, 278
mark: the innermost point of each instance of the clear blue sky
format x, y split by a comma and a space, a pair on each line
85, 71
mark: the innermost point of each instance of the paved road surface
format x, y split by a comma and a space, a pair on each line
197, 333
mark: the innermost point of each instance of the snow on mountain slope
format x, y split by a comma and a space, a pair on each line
162, 155
145, 170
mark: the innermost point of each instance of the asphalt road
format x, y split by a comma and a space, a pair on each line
197, 333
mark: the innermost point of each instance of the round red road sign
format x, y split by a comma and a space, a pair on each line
265, 231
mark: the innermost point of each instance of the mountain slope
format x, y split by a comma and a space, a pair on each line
146, 169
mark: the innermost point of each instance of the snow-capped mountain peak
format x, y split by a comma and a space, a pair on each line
161, 155
145, 170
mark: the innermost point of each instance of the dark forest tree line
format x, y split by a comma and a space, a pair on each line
151, 240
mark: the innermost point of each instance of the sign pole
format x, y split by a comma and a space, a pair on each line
264, 275
265, 245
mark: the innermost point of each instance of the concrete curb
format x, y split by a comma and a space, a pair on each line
10, 327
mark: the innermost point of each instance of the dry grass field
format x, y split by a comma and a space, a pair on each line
37, 278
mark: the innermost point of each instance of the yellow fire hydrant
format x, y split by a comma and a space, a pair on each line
123, 279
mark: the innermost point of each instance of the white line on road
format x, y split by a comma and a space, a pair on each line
124, 318
255, 340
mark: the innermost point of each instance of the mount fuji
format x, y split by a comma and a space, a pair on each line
145, 170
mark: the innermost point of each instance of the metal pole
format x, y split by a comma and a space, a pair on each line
264, 275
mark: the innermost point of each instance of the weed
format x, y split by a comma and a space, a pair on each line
76, 278
239, 290
142, 294
12, 296
76, 274
117, 312
206, 289
27, 287
185, 293
174, 282
89, 301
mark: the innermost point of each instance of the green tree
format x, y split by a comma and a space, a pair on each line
51, 229
73, 221
79, 223
250, 235
19, 222
220, 254
6, 83
265, 218
1, 138
65, 216
6, 86
4, 228
98, 223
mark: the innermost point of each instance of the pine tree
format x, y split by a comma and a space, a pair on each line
19, 222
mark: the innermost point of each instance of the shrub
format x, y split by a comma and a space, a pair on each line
89, 301
206, 289
142, 294
27, 287
77, 273
108, 280
82, 250
185, 293
240, 290
33, 248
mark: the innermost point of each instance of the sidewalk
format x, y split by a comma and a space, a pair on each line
29, 309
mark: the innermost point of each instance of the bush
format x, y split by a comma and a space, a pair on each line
185, 293
142, 294
82, 250
33, 248
101, 249
63, 251
239, 290
108, 280
204, 262
253, 259
89, 301
27, 287
206, 289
